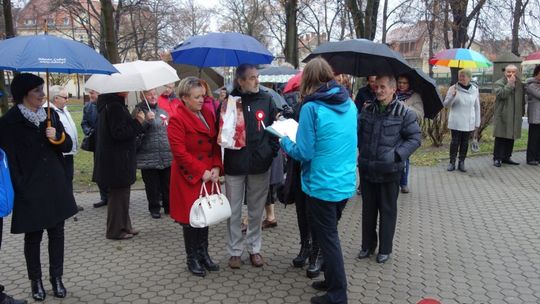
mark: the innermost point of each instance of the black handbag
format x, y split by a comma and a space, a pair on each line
89, 142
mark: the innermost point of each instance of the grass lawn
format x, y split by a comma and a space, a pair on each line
427, 155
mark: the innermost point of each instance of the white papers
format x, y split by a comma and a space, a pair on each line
284, 127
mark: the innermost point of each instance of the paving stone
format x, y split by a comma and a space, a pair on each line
461, 238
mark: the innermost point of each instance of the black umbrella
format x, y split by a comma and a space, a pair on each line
427, 88
361, 57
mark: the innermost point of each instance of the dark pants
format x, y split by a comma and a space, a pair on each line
502, 149
460, 141
302, 216
404, 181
118, 221
324, 217
156, 185
32, 245
533, 143
379, 199
70, 170
103, 193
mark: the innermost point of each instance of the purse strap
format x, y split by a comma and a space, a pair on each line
203, 188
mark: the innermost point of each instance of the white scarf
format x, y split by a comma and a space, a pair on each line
34, 117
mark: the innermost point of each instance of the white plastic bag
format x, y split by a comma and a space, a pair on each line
232, 130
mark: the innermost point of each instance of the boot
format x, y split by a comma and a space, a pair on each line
461, 166
190, 241
451, 165
58, 287
38, 292
204, 258
300, 260
315, 263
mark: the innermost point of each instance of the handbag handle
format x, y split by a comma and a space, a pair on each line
203, 187
215, 187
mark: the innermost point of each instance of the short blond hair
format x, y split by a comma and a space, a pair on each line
466, 72
186, 85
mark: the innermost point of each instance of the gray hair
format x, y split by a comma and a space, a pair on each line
466, 72
391, 80
55, 90
241, 73
511, 66
186, 85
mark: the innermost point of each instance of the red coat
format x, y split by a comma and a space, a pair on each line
195, 149
170, 106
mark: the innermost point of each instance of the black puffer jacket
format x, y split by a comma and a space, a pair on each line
386, 140
115, 147
256, 157
154, 151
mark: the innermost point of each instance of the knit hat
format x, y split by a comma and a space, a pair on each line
24, 83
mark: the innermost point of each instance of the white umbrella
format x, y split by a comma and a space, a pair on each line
134, 76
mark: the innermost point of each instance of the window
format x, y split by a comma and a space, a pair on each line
50, 21
66, 21
29, 21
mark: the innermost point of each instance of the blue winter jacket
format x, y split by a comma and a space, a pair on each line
326, 144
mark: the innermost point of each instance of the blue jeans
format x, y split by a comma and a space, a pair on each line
324, 217
405, 175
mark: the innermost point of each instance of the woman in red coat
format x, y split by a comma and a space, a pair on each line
196, 159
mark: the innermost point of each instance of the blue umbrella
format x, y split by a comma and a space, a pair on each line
44, 53
221, 49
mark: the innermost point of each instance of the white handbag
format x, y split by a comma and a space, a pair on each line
209, 209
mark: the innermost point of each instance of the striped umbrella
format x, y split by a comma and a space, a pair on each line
460, 58
533, 58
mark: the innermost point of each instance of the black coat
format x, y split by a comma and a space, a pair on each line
256, 157
38, 173
115, 165
386, 141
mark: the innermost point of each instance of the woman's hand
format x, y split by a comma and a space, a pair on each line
215, 174
50, 132
140, 117
207, 175
150, 115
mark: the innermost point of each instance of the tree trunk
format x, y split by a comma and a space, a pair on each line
357, 17
110, 33
291, 28
10, 32
518, 12
384, 21
372, 9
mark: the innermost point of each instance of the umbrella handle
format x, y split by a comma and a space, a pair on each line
59, 141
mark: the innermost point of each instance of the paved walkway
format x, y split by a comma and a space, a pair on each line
461, 237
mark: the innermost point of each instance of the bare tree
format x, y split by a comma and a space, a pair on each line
109, 31
246, 17
396, 15
10, 32
322, 17
364, 17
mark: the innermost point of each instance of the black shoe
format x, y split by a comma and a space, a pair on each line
11, 300
461, 166
80, 208
38, 292
155, 215
320, 300
320, 285
451, 167
58, 287
100, 204
365, 253
315, 264
497, 163
509, 161
300, 260
532, 163
382, 258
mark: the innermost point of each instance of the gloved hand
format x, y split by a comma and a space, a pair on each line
287, 112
